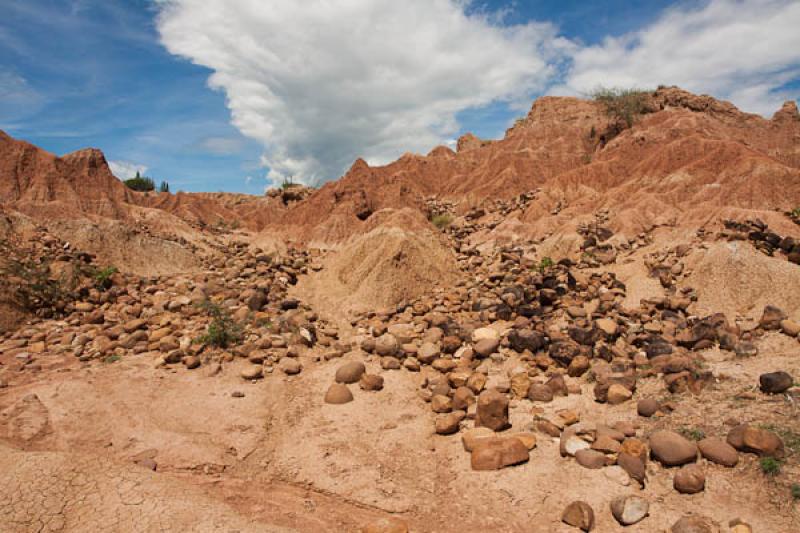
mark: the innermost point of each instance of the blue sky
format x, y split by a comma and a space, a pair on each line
134, 77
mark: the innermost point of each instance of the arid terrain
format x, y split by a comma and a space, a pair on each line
589, 324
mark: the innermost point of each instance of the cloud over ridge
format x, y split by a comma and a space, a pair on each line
320, 83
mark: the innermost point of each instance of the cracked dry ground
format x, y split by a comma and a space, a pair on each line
112, 419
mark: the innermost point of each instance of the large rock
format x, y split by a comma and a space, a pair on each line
492, 410
350, 372
672, 449
775, 382
486, 347
496, 453
756, 440
718, 451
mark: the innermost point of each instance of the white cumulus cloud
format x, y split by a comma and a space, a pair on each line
740, 50
321, 82
125, 170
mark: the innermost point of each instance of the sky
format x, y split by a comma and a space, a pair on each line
238, 95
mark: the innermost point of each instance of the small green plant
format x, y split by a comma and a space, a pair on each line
112, 359
623, 104
102, 277
544, 264
164, 187
140, 183
287, 183
223, 331
29, 280
442, 221
770, 466
796, 491
693, 433
796, 212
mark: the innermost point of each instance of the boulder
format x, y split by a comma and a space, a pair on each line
672, 449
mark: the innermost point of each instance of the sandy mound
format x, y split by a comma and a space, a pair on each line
736, 279
382, 268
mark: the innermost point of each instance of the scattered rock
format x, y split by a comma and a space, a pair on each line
337, 394
690, 479
580, 515
350, 372
628, 510
775, 382
718, 451
672, 449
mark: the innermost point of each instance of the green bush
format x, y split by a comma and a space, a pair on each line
223, 331
31, 283
796, 491
545, 263
623, 104
442, 221
770, 465
164, 187
102, 277
140, 183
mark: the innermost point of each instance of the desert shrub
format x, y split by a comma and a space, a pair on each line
30, 281
770, 465
442, 221
102, 277
796, 491
288, 183
693, 433
796, 212
140, 183
223, 331
544, 264
623, 104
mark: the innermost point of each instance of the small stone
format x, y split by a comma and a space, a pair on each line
578, 366
579, 514
441, 404
253, 372
634, 466
647, 407
338, 393
290, 366
618, 394
592, 459
690, 479
492, 410
371, 382
628, 510
447, 424
539, 392
695, 524
570, 444
486, 347
191, 362
237, 394
775, 382
350, 372
386, 344
790, 327
772, 317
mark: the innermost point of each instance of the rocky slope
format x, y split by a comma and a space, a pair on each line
581, 326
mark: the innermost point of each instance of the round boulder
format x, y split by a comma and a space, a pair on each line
350, 372
672, 449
